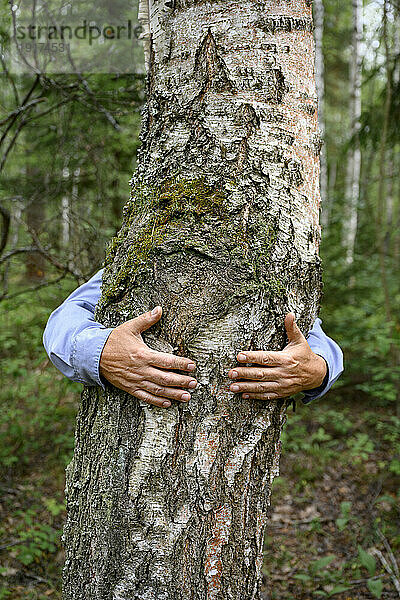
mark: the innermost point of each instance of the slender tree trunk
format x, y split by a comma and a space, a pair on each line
320, 81
65, 210
35, 213
222, 231
332, 181
396, 85
381, 219
396, 229
116, 204
354, 158
389, 202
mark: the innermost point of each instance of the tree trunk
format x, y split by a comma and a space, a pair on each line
35, 215
396, 86
354, 158
320, 81
66, 210
222, 231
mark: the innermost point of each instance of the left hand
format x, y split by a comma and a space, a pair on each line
280, 374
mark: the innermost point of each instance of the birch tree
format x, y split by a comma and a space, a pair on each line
319, 13
354, 157
222, 231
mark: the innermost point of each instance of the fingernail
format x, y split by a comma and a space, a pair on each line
191, 367
185, 397
154, 312
246, 396
192, 384
242, 357
234, 374
234, 388
167, 404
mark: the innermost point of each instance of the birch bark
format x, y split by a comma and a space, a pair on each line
319, 13
222, 230
354, 157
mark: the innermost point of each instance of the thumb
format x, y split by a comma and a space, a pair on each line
293, 332
145, 320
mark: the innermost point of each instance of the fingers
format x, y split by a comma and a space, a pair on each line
272, 359
271, 396
144, 321
165, 392
256, 374
159, 387
292, 330
170, 379
151, 399
164, 360
255, 387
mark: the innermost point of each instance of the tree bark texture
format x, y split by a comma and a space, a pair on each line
221, 230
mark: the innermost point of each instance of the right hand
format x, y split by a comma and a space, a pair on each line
129, 364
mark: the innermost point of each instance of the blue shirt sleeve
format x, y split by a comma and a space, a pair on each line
323, 345
73, 339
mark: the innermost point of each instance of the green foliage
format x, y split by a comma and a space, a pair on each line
37, 417
360, 447
324, 438
367, 561
375, 586
327, 582
35, 540
345, 515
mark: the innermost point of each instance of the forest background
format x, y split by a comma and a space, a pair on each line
67, 152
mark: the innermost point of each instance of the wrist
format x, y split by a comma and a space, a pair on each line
320, 371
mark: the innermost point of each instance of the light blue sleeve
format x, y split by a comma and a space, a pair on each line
323, 345
73, 339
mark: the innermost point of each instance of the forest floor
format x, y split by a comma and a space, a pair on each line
334, 527
334, 521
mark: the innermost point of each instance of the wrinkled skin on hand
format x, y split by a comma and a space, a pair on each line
129, 364
279, 374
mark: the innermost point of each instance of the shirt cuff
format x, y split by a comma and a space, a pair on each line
87, 348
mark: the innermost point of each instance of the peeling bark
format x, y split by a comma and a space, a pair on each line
222, 230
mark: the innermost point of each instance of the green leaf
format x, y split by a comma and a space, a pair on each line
302, 577
394, 466
338, 589
375, 586
321, 563
54, 507
345, 507
367, 561
341, 523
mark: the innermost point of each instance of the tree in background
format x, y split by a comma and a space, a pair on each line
55, 157
354, 155
368, 285
222, 231
319, 12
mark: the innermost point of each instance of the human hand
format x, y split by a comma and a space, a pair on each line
129, 364
281, 374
